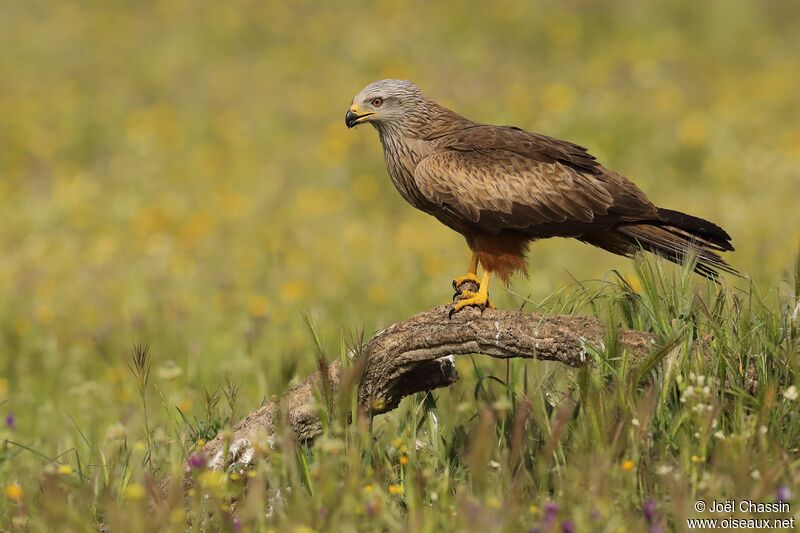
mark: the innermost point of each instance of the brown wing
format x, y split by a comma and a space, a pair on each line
497, 178
530, 145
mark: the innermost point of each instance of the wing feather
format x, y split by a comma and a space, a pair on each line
499, 178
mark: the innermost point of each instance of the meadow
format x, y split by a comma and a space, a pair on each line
178, 174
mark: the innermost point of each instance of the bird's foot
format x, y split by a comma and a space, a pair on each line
478, 299
466, 283
460, 280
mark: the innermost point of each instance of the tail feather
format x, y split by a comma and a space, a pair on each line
675, 237
677, 245
695, 227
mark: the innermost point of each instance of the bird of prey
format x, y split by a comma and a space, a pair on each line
502, 187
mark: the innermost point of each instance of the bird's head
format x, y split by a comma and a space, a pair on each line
386, 103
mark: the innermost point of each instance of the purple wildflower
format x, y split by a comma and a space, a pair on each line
472, 511
550, 512
783, 494
649, 510
197, 461
11, 421
568, 527
237, 525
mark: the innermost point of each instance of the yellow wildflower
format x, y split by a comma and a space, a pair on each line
377, 294
43, 313
14, 491
627, 465
395, 489
134, 491
692, 130
292, 290
211, 479
65, 470
185, 405
258, 305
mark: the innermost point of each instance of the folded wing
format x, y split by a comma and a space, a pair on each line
497, 178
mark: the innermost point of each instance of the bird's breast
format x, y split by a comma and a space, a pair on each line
402, 156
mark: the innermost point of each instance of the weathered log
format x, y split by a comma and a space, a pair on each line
414, 355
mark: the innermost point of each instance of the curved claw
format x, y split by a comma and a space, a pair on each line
460, 294
478, 299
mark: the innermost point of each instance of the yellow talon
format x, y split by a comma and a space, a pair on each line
460, 280
479, 299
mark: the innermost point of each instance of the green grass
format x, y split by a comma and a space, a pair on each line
710, 415
177, 175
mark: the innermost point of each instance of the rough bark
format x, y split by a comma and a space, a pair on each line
414, 355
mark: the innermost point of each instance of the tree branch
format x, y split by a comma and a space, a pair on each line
413, 355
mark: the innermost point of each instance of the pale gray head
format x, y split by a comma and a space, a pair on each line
388, 104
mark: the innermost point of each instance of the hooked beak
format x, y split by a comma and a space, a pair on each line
354, 116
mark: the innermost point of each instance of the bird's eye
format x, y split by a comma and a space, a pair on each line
376, 102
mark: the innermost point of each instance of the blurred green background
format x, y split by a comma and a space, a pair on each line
178, 172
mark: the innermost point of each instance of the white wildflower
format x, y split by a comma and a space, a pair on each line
790, 393
663, 470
